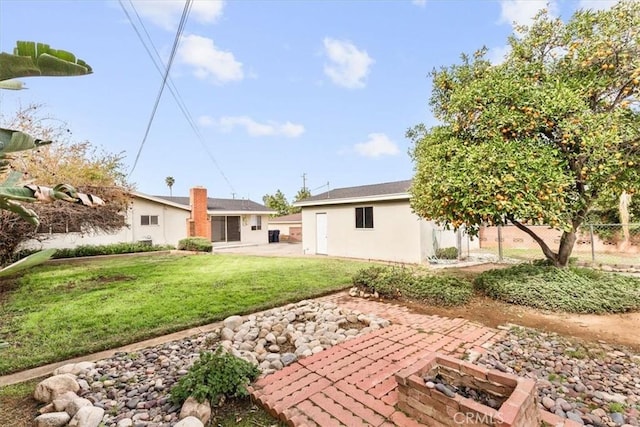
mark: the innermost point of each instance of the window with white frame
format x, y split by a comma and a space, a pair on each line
364, 217
256, 222
148, 219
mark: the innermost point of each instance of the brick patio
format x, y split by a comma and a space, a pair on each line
353, 383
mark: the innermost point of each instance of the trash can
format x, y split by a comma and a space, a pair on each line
271, 236
276, 236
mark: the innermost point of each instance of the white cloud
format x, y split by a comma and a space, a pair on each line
597, 4
348, 65
209, 62
522, 12
377, 145
167, 13
254, 128
420, 3
205, 121
497, 55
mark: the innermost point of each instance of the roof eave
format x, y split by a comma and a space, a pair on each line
352, 200
237, 212
161, 201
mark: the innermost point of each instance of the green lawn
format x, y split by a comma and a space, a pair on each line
56, 312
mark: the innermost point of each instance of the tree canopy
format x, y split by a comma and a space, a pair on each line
79, 164
540, 137
279, 203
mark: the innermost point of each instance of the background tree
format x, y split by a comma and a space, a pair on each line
170, 181
302, 194
540, 138
76, 163
278, 202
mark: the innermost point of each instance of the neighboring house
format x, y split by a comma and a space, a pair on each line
165, 220
290, 227
370, 222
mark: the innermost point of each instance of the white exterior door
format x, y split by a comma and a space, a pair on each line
321, 234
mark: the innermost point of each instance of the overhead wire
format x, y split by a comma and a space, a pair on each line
183, 20
157, 62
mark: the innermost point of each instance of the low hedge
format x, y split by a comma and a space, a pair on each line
197, 244
113, 249
414, 284
574, 290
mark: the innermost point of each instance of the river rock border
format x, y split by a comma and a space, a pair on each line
132, 389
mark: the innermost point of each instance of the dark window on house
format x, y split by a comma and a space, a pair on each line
148, 219
364, 217
256, 222
59, 228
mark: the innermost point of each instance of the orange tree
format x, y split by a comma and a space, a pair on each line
539, 138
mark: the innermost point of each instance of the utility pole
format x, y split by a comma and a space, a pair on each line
304, 181
233, 196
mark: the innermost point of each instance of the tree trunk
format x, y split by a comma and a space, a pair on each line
567, 241
623, 208
560, 259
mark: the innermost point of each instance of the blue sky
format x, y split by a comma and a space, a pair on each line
275, 88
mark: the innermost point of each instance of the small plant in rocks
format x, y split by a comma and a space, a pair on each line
214, 377
616, 407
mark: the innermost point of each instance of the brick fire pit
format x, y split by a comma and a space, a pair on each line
516, 396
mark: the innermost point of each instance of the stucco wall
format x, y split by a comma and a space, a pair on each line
172, 223
247, 235
172, 227
395, 237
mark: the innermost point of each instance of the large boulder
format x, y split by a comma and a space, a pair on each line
60, 403
192, 408
87, 416
190, 422
55, 386
74, 406
75, 368
233, 323
52, 419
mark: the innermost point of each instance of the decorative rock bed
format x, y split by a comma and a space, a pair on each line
132, 389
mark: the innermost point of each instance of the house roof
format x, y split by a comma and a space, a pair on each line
214, 205
396, 190
296, 217
222, 205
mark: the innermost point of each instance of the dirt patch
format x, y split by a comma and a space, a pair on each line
611, 328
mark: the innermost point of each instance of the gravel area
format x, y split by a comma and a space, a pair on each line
133, 388
594, 384
591, 383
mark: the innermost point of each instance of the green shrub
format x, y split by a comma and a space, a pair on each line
113, 249
215, 376
440, 290
395, 282
197, 244
574, 290
447, 253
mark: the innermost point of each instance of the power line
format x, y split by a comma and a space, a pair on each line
176, 41
157, 62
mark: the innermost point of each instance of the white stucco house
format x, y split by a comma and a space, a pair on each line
372, 222
165, 220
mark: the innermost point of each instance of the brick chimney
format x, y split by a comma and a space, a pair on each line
199, 224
